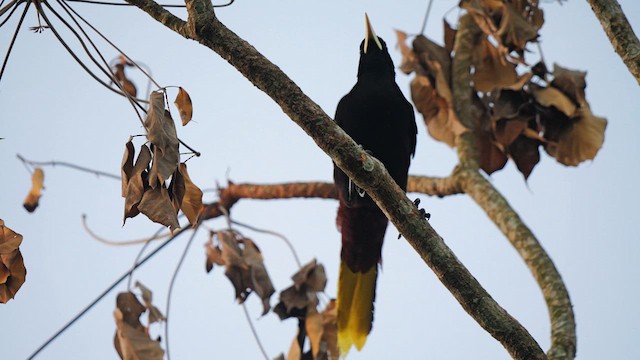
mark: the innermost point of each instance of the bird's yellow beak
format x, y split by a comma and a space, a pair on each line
370, 34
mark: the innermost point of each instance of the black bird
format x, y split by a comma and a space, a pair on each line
377, 116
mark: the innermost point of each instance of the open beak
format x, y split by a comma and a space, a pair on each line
370, 34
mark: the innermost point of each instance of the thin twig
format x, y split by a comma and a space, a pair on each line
120, 243
104, 293
109, 72
253, 330
13, 40
276, 234
75, 57
426, 17
196, 153
107, 69
69, 165
170, 291
13, 9
6, 7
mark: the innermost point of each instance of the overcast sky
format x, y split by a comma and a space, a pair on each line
585, 217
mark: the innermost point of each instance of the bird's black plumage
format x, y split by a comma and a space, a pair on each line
377, 116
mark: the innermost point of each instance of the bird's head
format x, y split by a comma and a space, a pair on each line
374, 56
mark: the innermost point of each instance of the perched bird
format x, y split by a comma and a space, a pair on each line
377, 116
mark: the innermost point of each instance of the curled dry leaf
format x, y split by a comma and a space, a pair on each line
492, 158
492, 70
296, 299
183, 102
551, 96
161, 132
12, 270
572, 83
155, 315
131, 340
176, 190
126, 169
191, 204
244, 266
33, 197
579, 141
515, 31
525, 153
156, 205
135, 180
322, 331
124, 82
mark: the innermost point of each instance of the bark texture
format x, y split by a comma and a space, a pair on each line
617, 27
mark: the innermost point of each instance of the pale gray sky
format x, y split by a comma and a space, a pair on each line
585, 217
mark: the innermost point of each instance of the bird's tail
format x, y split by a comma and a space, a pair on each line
356, 293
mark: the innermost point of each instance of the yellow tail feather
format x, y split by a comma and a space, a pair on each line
356, 292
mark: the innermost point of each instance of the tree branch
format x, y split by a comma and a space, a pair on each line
617, 27
432, 186
366, 171
563, 330
556, 296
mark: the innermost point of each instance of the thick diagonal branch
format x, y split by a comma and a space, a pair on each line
617, 27
366, 171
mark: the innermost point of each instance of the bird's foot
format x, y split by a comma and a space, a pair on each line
425, 215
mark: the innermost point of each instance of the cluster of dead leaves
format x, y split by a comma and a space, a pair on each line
514, 114
132, 340
243, 264
33, 197
300, 301
145, 185
12, 270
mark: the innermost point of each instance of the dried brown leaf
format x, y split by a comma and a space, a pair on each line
155, 315
33, 197
571, 82
330, 329
157, 206
9, 239
311, 275
176, 189
492, 70
449, 36
126, 169
125, 83
579, 141
260, 281
161, 132
315, 329
430, 53
131, 339
491, 158
409, 62
191, 204
515, 31
183, 102
13, 274
244, 267
551, 96
524, 152
136, 184
480, 13
434, 103
214, 255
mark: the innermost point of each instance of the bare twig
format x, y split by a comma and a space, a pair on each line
120, 243
273, 233
173, 280
69, 165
